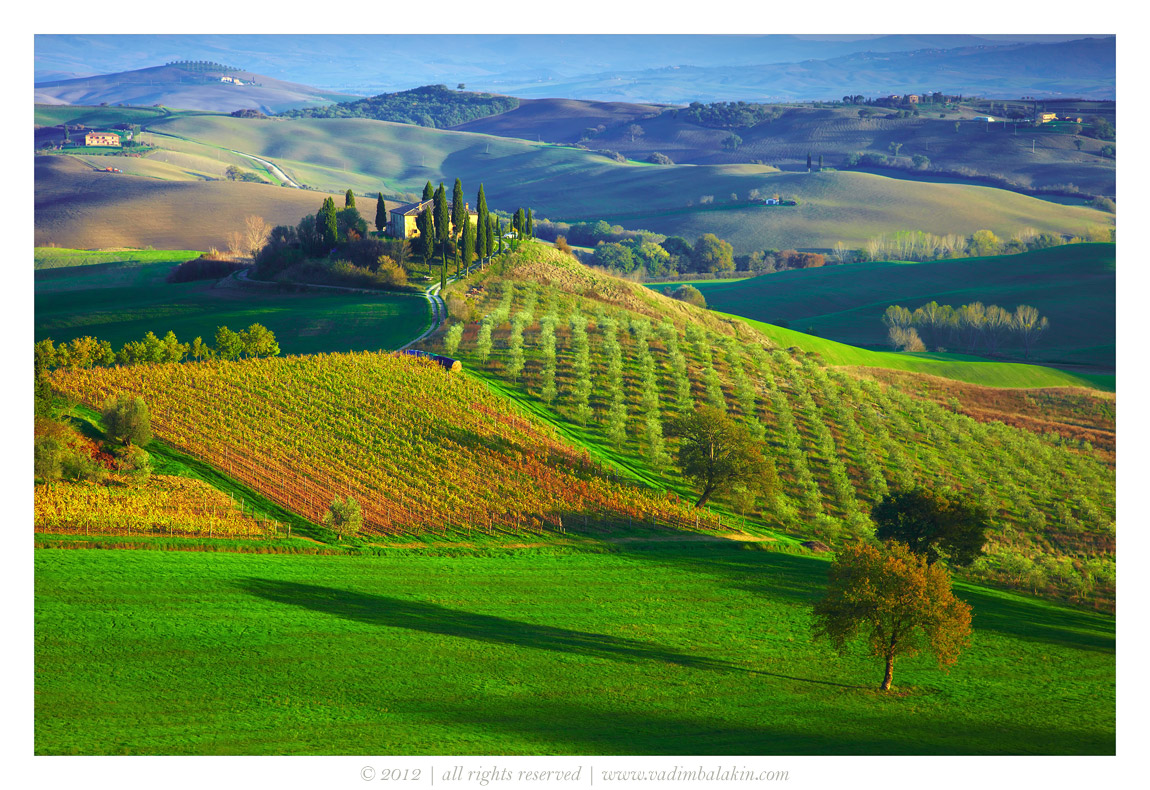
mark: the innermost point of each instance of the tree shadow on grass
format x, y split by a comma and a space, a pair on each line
802, 580
432, 618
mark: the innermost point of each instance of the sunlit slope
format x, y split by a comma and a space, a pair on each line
572, 184
421, 449
613, 364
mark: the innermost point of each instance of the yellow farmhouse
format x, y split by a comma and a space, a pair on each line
101, 138
402, 219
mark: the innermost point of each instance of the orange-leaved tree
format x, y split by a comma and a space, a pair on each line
896, 601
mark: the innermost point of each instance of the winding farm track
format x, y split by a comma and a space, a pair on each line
272, 168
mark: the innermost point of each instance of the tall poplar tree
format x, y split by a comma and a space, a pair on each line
380, 214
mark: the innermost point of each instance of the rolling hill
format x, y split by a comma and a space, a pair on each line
611, 363
1025, 157
569, 184
185, 88
1074, 286
79, 207
1082, 67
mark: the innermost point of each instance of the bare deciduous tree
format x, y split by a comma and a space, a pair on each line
995, 326
235, 241
1029, 325
256, 234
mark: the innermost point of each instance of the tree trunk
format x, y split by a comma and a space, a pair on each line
705, 496
886, 681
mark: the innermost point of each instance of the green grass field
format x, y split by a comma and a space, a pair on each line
569, 184
59, 257
655, 650
950, 366
1074, 286
122, 301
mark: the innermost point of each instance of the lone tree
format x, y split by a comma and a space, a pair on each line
380, 214
718, 454
933, 524
897, 601
343, 517
349, 199
126, 420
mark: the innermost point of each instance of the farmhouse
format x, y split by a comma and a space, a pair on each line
231, 80
1047, 117
401, 223
912, 98
102, 138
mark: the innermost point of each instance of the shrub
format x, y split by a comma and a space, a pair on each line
1104, 203
657, 158
689, 294
135, 461
126, 420
203, 268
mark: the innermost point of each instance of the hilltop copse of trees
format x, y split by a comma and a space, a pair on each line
435, 106
728, 115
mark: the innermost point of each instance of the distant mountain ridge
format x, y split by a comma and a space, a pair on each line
1081, 68
186, 88
398, 62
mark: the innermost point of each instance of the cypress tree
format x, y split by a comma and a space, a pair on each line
380, 214
481, 229
468, 240
820, 161
326, 225
458, 210
494, 231
808, 161
483, 226
426, 242
529, 226
428, 191
349, 199
499, 232
442, 224
520, 222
